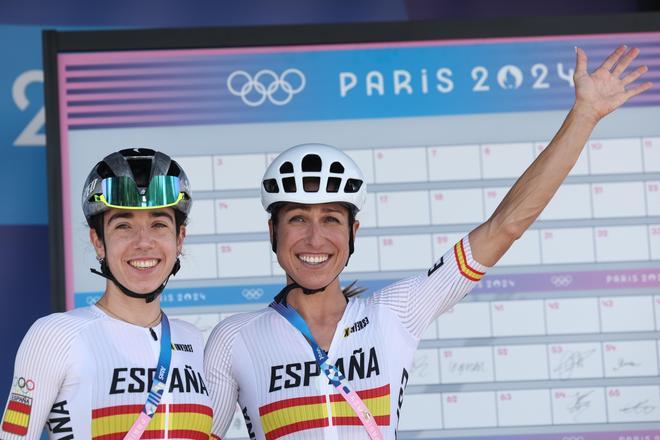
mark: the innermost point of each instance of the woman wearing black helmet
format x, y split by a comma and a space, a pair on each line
119, 368
317, 364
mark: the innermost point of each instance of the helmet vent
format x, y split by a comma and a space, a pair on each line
270, 186
311, 184
289, 184
336, 167
352, 185
286, 167
334, 183
311, 162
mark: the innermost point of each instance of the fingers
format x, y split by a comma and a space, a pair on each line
580, 61
624, 62
637, 90
611, 60
632, 76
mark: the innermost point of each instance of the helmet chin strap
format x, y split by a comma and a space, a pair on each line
147, 297
281, 297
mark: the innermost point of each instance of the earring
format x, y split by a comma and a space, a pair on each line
100, 259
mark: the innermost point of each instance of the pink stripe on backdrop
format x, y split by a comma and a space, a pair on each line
143, 71
140, 83
73, 111
136, 95
138, 118
66, 191
137, 56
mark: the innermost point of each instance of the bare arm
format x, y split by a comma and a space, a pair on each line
596, 95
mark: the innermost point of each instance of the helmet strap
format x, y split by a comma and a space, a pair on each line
147, 297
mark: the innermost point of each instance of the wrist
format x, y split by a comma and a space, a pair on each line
585, 114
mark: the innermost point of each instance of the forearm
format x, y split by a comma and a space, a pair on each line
533, 190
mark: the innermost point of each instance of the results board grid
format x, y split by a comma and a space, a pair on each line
613, 213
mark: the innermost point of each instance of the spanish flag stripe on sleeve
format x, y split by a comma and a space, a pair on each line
17, 418
463, 265
19, 407
14, 429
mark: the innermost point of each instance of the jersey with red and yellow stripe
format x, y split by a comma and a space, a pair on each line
85, 375
260, 360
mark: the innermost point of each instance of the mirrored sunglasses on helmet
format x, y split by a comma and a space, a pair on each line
122, 192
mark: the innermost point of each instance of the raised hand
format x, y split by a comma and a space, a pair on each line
607, 88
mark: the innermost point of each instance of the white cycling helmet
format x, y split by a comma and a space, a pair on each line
311, 174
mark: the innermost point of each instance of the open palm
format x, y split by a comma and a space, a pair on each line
606, 88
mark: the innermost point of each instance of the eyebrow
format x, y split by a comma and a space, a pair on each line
127, 214
327, 208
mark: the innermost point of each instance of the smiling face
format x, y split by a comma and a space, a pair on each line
141, 246
312, 242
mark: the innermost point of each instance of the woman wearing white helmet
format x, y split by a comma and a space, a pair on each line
119, 368
318, 364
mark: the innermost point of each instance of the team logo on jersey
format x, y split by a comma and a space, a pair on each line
356, 327
19, 408
182, 347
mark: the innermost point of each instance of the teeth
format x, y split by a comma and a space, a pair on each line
313, 259
143, 264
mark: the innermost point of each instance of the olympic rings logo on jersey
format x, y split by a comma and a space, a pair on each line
266, 84
24, 385
252, 294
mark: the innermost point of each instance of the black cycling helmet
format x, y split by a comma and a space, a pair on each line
135, 178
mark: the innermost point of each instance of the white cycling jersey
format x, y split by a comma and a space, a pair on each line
266, 364
85, 375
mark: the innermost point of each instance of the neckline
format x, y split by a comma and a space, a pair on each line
103, 311
334, 335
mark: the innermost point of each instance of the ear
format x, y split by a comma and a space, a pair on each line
356, 226
180, 238
270, 230
97, 243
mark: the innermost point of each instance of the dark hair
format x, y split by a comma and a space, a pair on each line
96, 222
353, 289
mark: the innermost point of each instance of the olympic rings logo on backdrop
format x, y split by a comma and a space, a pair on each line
266, 84
252, 294
25, 384
561, 280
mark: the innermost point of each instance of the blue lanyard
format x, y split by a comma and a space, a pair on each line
333, 374
162, 371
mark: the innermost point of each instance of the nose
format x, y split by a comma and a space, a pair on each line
314, 236
143, 238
